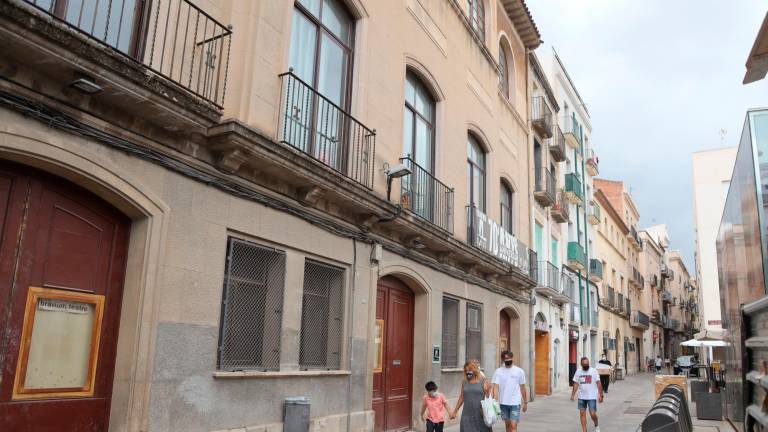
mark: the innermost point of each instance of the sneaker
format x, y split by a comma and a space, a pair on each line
597, 429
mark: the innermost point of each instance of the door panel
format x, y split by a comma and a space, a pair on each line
504, 323
68, 241
393, 385
542, 363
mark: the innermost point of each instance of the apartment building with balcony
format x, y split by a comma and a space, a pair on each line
683, 305
550, 210
613, 251
652, 257
571, 210
230, 203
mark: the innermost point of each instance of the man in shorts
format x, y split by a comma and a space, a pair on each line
587, 382
509, 389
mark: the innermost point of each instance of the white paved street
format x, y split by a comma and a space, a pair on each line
623, 410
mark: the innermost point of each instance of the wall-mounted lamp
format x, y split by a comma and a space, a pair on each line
392, 172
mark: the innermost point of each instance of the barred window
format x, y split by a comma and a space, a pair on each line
450, 333
474, 332
252, 307
322, 313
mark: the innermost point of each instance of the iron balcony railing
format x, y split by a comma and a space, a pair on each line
318, 127
490, 237
533, 257
545, 185
628, 309
549, 276
576, 255
541, 116
596, 268
620, 302
174, 38
666, 296
557, 144
572, 128
591, 158
594, 211
573, 185
426, 196
560, 210
641, 318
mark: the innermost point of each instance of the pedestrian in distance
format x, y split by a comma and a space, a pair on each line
510, 391
473, 389
658, 364
435, 406
590, 391
605, 372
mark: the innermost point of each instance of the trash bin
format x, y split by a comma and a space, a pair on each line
698, 386
296, 414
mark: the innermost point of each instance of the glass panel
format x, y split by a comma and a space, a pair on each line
410, 89
408, 132
60, 347
303, 45
312, 5
338, 21
332, 71
378, 344
424, 103
423, 149
477, 181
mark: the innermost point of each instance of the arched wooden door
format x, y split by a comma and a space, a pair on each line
393, 368
62, 258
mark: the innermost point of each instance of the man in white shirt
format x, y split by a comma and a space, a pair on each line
587, 382
509, 389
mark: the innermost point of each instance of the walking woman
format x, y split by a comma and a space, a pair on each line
473, 390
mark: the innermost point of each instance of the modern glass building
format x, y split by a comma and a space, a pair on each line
742, 250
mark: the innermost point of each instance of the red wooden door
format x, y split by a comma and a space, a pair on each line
63, 242
392, 385
504, 323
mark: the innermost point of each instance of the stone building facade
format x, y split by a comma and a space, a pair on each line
260, 200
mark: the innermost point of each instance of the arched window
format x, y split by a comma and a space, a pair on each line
477, 17
507, 201
476, 173
419, 123
506, 71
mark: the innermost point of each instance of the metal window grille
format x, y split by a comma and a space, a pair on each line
450, 333
252, 307
474, 332
322, 316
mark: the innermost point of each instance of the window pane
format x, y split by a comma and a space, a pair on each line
410, 89
407, 132
332, 72
450, 333
423, 148
338, 21
303, 45
474, 332
251, 321
321, 316
312, 5
424, 103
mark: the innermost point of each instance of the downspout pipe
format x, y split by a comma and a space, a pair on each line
532, 300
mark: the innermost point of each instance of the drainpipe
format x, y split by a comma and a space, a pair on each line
351, 334
532, 300
586, 237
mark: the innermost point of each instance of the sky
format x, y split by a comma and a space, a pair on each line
660, 80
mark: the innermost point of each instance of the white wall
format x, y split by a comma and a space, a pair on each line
712, 171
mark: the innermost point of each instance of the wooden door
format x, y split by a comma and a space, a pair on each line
392, 382
504, 323
62, 258
542, 363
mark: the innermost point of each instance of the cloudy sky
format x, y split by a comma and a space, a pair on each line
660, 79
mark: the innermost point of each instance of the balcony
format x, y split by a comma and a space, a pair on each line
572, 132
426, 196
550, 284
628, 308
592, 163
544, 188
595, 270
620, 303
639, 320
666, 297
573, 189
667, 272
541, 116
560, 209
316, 126
557, 144
637, 280
634, 239
577, 259
654, 281
133, 66
609, 301
593, 213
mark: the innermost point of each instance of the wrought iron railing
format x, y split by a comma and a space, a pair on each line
545, 182
557, 144
596, 268
541, 115
174, 38
549, 275
591, 158
315, 125
594, 210
620, 302
573, 185
576, 254
572, 127
611, 297
426, 196
560, 209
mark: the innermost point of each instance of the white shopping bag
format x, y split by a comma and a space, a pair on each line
489, 410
